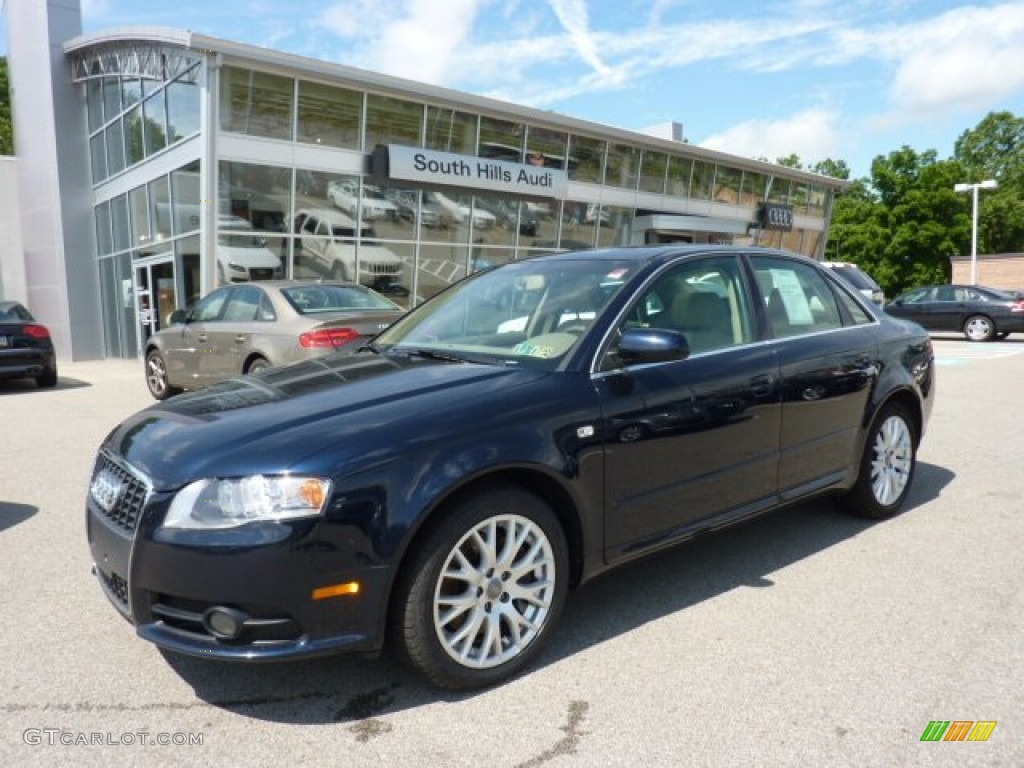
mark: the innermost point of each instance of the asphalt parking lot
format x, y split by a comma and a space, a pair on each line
805, 638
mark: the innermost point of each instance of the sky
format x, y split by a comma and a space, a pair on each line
842, 79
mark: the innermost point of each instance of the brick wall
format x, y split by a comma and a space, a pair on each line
996, 270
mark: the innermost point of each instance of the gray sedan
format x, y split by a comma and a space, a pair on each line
239, 329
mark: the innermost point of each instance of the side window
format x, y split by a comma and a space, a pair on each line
915, 297
797, 298
242, 305
703, 300
266, 311
945, 293
209, 309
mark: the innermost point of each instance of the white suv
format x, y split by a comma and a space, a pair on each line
858, 278
328, 237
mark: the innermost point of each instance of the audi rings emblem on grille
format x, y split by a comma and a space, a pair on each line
106, 490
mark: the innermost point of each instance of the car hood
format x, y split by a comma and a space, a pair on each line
364, 407
248, 257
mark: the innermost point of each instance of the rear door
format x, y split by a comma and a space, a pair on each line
828, 362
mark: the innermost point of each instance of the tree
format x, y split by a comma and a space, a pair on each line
6, 128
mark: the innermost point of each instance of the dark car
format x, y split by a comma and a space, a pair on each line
980, 313
239, 329
516, 435
26, 349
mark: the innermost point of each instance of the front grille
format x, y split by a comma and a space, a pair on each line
124, 506
261, 273
382, 269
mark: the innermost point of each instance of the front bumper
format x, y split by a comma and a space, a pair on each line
179, 587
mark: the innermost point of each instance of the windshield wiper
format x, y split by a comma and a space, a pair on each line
433, 354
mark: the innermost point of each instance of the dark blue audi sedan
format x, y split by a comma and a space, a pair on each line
443, 488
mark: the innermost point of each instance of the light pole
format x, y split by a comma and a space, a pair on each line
973, 188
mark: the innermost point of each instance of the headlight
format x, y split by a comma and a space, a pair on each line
210, 504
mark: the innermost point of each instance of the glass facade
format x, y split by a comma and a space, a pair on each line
288, 216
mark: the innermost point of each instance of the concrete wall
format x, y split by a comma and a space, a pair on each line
999, 270
13, 284
53, 176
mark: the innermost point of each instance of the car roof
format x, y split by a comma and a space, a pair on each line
660, 253
310, 282
331, 215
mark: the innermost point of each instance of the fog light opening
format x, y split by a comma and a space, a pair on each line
224, 623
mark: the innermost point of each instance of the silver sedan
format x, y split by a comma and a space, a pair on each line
243, 328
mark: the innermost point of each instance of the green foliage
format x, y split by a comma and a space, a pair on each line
6, 126
904, 223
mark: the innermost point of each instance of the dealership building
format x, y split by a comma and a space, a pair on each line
154, 164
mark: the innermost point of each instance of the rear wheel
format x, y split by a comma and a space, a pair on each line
979, 328
257, 364
156, 376
887, 467
483, 590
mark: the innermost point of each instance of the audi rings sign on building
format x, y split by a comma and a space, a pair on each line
776, 216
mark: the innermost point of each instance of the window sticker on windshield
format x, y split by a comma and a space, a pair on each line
532, 350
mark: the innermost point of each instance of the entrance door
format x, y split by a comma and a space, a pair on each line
155, 296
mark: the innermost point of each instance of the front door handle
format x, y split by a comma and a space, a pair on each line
762, 386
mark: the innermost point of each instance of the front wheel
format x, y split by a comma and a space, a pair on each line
482, 591
979, 328
156, 376
887, 467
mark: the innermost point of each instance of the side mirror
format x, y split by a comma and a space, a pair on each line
640, 346
179, 317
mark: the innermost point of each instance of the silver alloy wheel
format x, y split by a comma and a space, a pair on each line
156, 374
978, 328
495, 591
891, 461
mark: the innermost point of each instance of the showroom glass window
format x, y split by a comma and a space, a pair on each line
256, 103
393, 121
652, 171
329, 116
586, 159
754, 188
623, 166
727, 185
154, 119
547, 146
501, 139
449, 130
680, 169
703, 180
183, 106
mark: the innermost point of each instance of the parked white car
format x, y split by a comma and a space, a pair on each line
242, 254
346, 195
459, 213
328, 238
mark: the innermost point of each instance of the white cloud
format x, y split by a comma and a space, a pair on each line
812, 135
416, 39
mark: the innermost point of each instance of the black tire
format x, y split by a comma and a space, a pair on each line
47, 379
979, 328
517, 594
887, 467
257, 364
156, 376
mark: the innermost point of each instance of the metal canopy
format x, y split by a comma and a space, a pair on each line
134, 59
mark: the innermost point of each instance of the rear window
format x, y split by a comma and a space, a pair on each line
313, 299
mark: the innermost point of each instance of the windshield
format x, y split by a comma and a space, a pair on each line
529, 313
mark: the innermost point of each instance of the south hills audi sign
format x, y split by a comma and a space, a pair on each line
776, 216
426, 166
